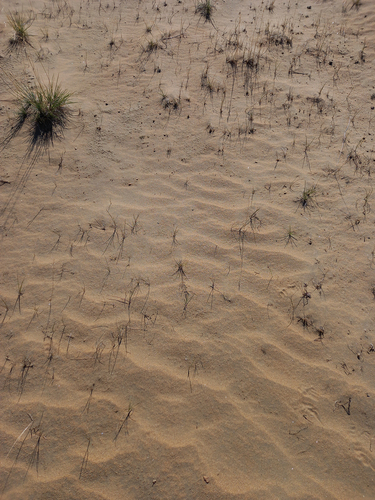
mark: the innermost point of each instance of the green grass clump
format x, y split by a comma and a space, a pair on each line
205, 9
307, 199
20, 24
43, 109
46, 108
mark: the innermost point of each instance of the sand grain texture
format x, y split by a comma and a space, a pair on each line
187, 284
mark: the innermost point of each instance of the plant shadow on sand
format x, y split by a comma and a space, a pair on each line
43, 112
43, 109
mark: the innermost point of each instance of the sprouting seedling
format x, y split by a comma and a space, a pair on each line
362, 52
121, 245
114, 232
85, 459
304, 299
29, 431
134, 226
45, 34
207, 83
88, 402
148, 319
124, 422
211, 294
100, 346
320, 331
174, 237
214, 289
180, 270
356, 4
232, 61
306, 200
193, 370
241, 235
135, 287
366, 205
188, 297
318, 285
6, 307
306, 153
305, 321
290, 237
26, 365
254, 220
20, 293
117, 339
169, 102
148, 28
151, 46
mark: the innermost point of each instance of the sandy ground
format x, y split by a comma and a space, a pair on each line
187, 283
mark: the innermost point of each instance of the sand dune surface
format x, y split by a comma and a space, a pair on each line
187, 285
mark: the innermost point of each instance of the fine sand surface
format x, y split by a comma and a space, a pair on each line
187, 282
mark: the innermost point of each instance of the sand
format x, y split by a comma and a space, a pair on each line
187, 281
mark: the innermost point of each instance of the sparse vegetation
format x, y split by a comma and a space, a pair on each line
180, 271
151, 46
356, 4
290, 237
205, 9
43, 108
227, 180
279, 35
271, 5
170, 102
207, 83
20, 23
307, 198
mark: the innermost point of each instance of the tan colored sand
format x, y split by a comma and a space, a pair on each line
171, 340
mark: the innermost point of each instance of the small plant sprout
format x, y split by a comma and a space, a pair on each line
290, 237
20, 293
205, 9
124, 422
271, 6
207, 83
135, 226
188, 297
169, 102
45, 34
366, 208
320, 331
306, 200
6, 307
174, 237
180, 270
85, 459
151, 46
20, 23
355, 4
